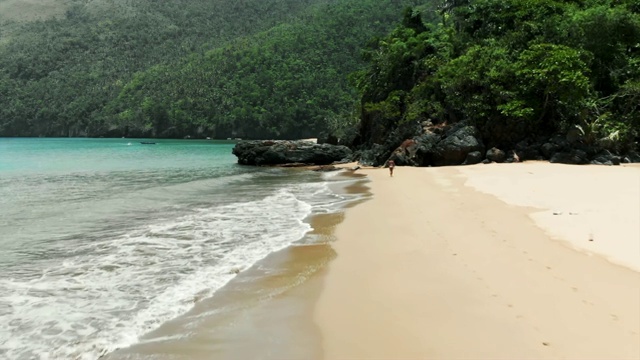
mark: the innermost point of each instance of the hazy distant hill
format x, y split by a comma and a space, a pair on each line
30, 10
73, 73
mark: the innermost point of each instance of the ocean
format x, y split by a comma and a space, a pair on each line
104, 240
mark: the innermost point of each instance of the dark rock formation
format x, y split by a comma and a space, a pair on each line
474, 157
374, 155
605, 157
512, 157
571, 157
444, 145
549, 149
276, 152
526, 151
496, 155
405, 153
457, 142
377, 153
633, 157
425, 148
429, 144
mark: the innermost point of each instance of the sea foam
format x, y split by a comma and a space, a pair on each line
109, 292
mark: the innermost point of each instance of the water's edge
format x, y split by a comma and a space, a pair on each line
266, 310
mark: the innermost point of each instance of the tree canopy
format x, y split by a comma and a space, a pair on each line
278, 68
250, 68
514, 68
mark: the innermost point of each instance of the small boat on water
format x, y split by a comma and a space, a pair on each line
147, 143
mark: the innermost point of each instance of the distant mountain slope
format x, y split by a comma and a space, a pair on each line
75, 76
287, 82
61, 71
31, 10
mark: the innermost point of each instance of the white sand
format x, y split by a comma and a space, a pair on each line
433, 269
595, 208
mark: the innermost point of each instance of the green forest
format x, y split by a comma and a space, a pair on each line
353, 70
250, 68
515, 69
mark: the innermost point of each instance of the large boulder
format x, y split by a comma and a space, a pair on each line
549, 149
605, 157
438, 146
375, 155
496, 155
474, 157
277, 152
426, 148
418, 151
633, 157
405, 153
526, 151
395, 138
457, 142
571, 157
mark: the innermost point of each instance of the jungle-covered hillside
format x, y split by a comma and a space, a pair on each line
359, 70
172, 68
515, 69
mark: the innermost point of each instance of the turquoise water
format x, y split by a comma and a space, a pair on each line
103, 240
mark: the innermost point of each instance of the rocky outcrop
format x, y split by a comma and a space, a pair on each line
457, 142
496, 155
376, 154
278, 152
438, 146
474, 157
461, 144
571, 157
605, 157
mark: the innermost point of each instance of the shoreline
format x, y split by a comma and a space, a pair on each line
265, 311
431, 267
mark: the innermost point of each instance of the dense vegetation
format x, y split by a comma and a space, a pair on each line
278, 68
250, 68
516, 69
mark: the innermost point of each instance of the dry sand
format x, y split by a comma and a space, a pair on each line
431, 268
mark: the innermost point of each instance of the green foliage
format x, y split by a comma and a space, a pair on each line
554, 80
514, 68
276, 68
251, 68
477, 81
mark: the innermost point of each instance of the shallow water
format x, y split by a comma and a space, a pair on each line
104, 240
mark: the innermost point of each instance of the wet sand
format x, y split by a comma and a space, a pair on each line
433, 268
262, 314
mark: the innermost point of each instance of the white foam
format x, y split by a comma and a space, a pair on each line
106, 293
114, 290
323, 199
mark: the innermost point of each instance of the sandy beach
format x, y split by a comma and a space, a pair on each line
500, 261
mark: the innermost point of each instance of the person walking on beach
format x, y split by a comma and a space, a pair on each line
391, 165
